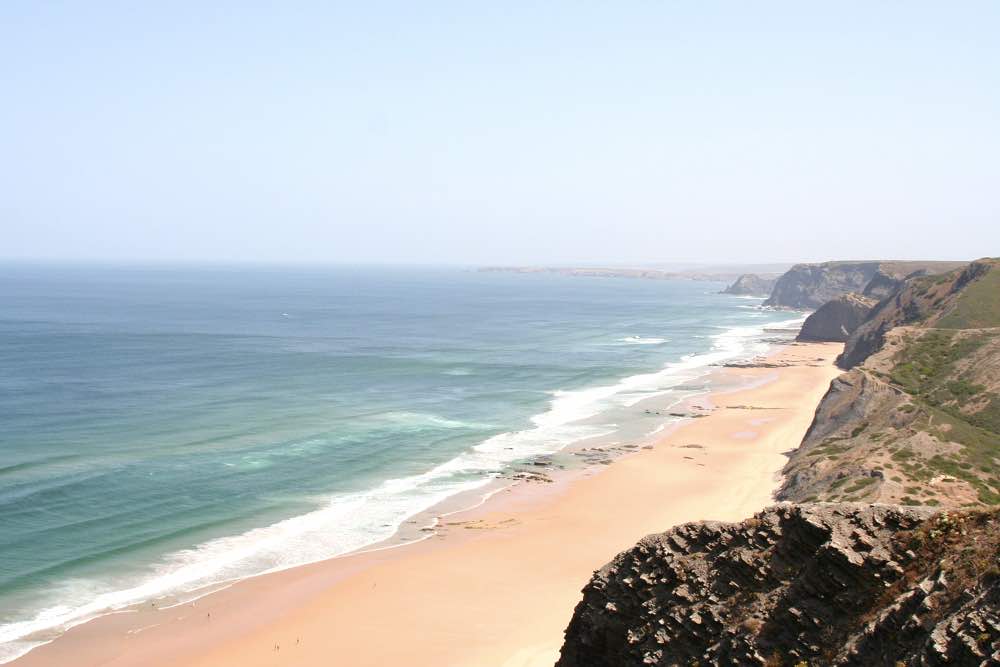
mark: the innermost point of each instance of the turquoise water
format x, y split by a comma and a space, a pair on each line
164, 429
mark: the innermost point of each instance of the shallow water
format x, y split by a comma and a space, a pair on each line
164, 429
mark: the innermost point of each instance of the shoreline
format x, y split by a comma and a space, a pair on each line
629, 431
453, 597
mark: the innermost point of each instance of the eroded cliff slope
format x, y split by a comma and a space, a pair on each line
809, 286
799, 585
917, 419
751, 284
891, 554
837, 319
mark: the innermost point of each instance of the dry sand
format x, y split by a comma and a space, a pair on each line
496, 585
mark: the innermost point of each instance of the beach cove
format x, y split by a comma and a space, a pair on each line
495, 585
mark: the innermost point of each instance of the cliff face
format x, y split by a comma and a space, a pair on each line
808, 286
835, 320
813, 585
917, 420
928, 300
751, 284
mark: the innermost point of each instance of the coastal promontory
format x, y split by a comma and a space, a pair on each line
752, 284
837, 319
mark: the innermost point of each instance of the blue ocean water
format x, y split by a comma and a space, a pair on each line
165, 429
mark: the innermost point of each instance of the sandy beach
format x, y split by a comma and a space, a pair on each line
496, 585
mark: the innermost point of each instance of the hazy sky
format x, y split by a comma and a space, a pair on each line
502, 132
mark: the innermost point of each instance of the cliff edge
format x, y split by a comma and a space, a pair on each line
912, 427
809, 286
799, 585
916, 420
751, 284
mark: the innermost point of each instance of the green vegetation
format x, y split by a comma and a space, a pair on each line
927, 372
963, 391
859, 484
929, 360
902, 454
979, 453
829, 449
978, 305
947, 422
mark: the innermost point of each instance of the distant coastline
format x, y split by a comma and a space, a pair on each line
724, 274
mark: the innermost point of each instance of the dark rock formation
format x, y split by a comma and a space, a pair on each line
808, 286
837, 319
751, 284
882, 285
799, 585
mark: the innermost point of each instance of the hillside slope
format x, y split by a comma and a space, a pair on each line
914, 426
917, 419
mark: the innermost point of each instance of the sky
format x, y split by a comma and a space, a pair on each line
499, 133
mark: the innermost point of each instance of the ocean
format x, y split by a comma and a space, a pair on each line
167, 429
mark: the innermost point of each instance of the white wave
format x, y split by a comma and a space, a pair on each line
424, 419
345, 523
639, 340
348, 522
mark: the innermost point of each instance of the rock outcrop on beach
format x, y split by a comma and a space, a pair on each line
799, 585
809, 286
751, 284
836, 319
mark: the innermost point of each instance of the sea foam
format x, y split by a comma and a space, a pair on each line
351, 521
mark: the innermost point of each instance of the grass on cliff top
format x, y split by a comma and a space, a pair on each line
978, 305
927, 372
925, 364
978, 462
925, 369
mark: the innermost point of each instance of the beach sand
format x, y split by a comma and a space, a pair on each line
496, 585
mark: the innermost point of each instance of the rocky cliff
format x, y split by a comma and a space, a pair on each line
835, 320
751, 284
799, 585
914, 426
930, 299
917, 419
809, 286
